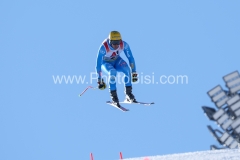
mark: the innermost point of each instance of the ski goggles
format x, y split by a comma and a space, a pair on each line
115, 42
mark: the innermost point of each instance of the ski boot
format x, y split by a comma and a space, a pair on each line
115, 98
129, 96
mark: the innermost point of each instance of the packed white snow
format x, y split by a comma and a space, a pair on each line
223, 154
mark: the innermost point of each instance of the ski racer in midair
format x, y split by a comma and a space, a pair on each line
109, 60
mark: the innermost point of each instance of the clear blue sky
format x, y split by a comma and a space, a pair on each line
41, 39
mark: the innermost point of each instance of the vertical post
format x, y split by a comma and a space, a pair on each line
121, 155
91, 156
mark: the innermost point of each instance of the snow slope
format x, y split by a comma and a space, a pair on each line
226, 154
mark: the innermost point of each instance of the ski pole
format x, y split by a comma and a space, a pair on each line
86, 90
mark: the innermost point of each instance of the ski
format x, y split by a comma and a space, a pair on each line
143, 103
120, 108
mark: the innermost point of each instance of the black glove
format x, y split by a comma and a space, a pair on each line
134, 77
101, 84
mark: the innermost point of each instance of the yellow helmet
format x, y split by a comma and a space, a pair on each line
114, 35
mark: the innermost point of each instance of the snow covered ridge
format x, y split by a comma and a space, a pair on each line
224, 154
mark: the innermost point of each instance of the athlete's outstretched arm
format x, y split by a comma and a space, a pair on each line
101, 53
129, 55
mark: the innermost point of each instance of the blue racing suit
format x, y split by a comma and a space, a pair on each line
109, 60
